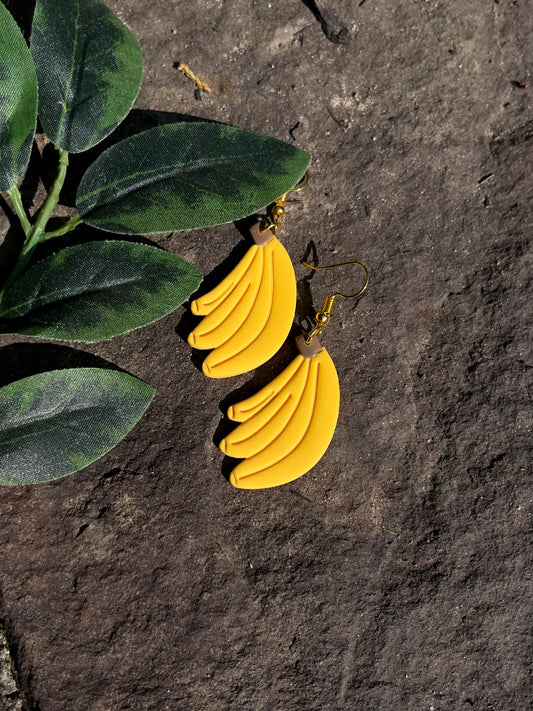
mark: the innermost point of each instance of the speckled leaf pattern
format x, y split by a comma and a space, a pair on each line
18, 102
55, 423
186, 175
92, 292
89, 70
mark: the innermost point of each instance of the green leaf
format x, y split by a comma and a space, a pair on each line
55, 423
186, 175
89, 70
94, 291
18, 102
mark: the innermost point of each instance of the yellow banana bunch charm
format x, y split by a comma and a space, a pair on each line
248, 316
287, 426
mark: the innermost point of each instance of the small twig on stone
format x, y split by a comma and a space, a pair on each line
333, 28
485, 178
192, 76
387, 530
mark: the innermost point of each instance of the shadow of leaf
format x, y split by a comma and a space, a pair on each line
20, 360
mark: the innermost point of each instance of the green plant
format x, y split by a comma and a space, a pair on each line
83, 71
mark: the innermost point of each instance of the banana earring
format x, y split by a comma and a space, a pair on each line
287, 426
249, 314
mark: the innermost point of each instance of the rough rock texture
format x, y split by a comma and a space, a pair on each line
397, 573
11, 698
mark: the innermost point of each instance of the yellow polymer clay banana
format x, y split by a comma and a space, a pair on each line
288, 425
249, 314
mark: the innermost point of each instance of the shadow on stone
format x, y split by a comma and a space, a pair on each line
21, 360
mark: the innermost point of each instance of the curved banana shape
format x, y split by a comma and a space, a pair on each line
249, 314
287, 426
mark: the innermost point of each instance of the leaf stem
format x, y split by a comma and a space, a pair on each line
35, 233
71, 224
16, 199
49, 204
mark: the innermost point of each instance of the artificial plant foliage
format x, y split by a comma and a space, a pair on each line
55, 423
186, 175
82, 74
89, 69
18, 102
94, 291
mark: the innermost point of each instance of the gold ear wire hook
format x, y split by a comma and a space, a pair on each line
304, 182
272, 221
323, 316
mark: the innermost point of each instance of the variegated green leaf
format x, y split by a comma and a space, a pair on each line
53, 424
186, 175
92, 292
18, 102
89, 70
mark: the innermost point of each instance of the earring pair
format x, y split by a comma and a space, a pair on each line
285, 428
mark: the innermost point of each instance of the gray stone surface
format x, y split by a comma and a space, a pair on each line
397, 573
11, 698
